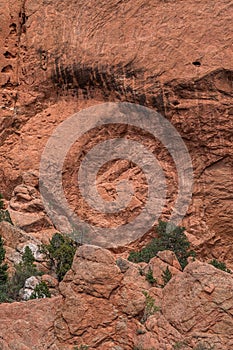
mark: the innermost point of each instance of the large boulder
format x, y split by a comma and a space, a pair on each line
29, 325
199, 303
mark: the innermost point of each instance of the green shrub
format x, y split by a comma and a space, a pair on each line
149, 276
10, 287
3, 294
4, 214
167, 275
220, 265
141, 272
28, 257
60, 253
3, 266
3, 273
170, 237
41, 291
150, 307
179, 345
1, 202
23, 271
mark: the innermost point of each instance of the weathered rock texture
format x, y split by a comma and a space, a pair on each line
58, 57
103, 305
29, 325
175, 57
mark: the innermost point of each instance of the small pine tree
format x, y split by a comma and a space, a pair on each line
4, 214
149, 276
3, 274
167, 275
60, 253
41, 291
150, 307
170, 237
28, 257
23, 271
220, 265
3, 266
2, 251
1, 202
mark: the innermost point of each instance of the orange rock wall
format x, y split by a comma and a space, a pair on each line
58, 57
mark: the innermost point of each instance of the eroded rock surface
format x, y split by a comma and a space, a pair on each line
105, 308
175, 57
28, 325
57, 58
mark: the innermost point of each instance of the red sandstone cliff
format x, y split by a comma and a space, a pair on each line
175, 57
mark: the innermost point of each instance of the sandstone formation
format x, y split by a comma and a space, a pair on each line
174, 57
106, 307
28, 325
171, 56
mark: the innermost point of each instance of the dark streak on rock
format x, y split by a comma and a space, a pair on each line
110, 82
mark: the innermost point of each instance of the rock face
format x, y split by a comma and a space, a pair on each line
29, 325
106, 308
174, 57
26, 208
205, 307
